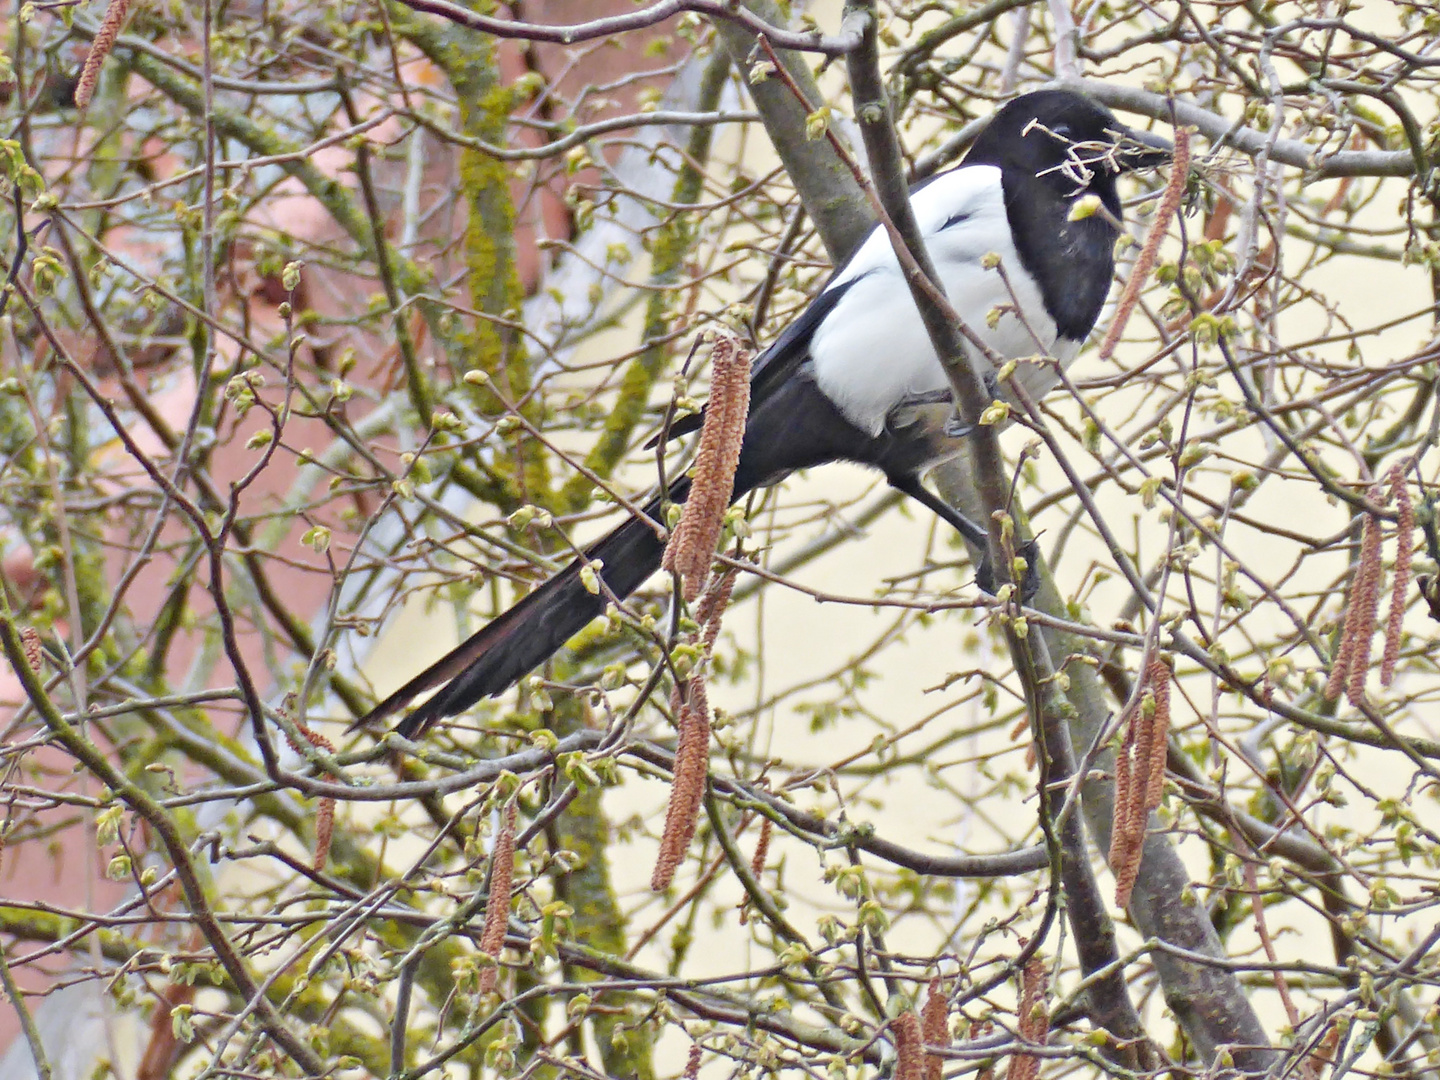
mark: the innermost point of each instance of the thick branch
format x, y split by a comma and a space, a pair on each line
826, 187
808, 41
1220, 129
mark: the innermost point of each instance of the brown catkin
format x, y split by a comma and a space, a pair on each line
762, 848
1124, 793
34, 653
325, 812
909, 1057
1160, 733
1127, 826
692, 1067
1142, 722
1139, 778
1145, 261
692, 764
1340, 666
314, 738
1125, 865
690, 706
99, 50
1032, 1021
324, 831
692, 545
935, 1027
1404, 548
497, 903
711, 608
1364, 608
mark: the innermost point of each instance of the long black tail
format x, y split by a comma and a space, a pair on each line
525, 636
791, 426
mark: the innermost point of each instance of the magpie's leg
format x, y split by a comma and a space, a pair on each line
909, 484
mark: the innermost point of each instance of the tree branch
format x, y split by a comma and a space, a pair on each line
811, 41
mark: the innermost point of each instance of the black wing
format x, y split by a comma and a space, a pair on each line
781, 358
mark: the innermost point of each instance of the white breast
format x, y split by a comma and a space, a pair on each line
872, 351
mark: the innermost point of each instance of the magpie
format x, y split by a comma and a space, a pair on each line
855, 377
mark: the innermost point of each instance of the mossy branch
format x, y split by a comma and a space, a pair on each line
176, 848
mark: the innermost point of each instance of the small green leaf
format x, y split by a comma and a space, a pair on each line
817, 123
182, 1025
107, 825
1084, 207
590, 576
997, 412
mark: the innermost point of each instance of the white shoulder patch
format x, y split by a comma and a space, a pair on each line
968, 190
872, 351
962, 192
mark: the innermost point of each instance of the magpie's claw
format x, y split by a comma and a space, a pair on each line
957, 427
1030, 552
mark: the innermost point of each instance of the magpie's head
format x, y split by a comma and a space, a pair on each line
1066, 141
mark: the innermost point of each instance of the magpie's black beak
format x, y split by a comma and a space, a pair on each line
1143, 150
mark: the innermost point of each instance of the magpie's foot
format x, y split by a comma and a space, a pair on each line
956, 427
1030, 552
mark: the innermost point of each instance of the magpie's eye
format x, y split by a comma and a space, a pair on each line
1062, 131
